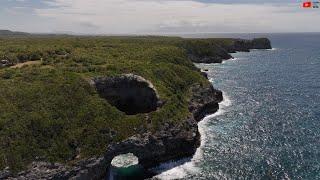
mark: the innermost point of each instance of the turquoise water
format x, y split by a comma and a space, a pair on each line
269, 125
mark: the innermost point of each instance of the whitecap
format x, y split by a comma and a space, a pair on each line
226, 101
272, 49
231, 59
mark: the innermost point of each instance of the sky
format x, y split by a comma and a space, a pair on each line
157, 16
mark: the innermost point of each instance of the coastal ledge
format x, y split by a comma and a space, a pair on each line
171, 141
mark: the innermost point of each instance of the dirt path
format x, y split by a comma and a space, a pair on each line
20, 65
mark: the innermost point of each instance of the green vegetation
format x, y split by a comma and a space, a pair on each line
50, 112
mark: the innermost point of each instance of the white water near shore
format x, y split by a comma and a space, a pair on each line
182, 168
272, 49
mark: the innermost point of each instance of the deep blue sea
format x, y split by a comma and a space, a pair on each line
268, 127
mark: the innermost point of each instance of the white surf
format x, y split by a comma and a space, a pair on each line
181, 169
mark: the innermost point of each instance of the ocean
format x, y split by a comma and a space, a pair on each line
268, 126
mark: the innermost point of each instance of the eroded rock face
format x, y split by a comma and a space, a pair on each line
130, 93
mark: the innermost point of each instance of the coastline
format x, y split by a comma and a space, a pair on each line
245, 46
207, 109
181, 168
171, 142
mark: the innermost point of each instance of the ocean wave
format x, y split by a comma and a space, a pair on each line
232, 59
272, 49
226, 101
182, 168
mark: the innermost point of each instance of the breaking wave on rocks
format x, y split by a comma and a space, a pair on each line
272, 49
188, 166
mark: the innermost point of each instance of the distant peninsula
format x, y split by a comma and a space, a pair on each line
70, 104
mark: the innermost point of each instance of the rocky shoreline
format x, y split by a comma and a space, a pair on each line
172, 141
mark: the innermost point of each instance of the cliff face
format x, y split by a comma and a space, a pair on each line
206, 51
246, 45
261, 43
172, 141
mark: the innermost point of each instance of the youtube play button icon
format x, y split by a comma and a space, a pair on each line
307, 4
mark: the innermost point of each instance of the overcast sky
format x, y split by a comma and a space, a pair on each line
157, 16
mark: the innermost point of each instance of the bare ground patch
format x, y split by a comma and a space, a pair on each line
20, 65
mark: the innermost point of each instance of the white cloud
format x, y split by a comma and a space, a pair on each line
139, 16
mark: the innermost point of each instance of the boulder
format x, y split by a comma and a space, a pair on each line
4, 63
5, 173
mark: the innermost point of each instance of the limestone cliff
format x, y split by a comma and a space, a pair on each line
206, 51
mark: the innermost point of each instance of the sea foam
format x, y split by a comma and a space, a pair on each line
184, 167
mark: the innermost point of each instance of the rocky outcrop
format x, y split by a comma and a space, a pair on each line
242, 45
130, 93
171, 141
210, 52
261, 43
201, 107
204, 51
5, 63
5, 173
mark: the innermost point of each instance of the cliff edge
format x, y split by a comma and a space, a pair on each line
211, 51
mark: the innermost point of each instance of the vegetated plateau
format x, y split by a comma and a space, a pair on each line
51, 110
